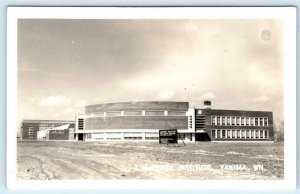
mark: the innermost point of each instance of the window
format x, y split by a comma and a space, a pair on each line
98, 135
248, 134
266, 134
247, 121
238, 120
113, 114
238, 134
155, 113
261, 134
213, 121
252, 134
133, 113
176, 113
223, 133
223, 120
243, 134
266, 122
256, 122
89, 136
151, 136
80, 124
181, 136
261, 121
131, 138
190, 122
232, 120
218, 120
228, 134
228, 120
113, 135
252, 121
218, 133
256, 134
99, 114
213, 133
243, 121
233, 133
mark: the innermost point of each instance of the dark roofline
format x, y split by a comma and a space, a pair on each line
234, 110
133, 102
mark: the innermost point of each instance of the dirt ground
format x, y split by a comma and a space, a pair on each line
149, 160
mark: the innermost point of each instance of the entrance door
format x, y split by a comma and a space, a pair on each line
202, 137
80, 136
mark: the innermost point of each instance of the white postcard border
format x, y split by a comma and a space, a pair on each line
287, 14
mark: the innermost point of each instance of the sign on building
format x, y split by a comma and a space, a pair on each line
168, 136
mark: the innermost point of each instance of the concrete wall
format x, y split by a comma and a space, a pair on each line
149, 105
136, 122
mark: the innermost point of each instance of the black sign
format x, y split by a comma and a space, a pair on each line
168, 136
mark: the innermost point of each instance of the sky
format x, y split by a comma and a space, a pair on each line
64, 65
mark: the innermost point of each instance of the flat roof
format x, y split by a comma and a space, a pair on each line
47, 121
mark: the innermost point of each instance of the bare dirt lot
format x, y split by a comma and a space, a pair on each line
149, 160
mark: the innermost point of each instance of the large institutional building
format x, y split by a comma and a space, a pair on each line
143, 120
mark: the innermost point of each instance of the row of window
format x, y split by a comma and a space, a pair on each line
181, 136
239, 121
240, 134
126, 135
57, 131
140, 113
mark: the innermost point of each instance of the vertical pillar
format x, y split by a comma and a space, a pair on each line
193, 137
166, 113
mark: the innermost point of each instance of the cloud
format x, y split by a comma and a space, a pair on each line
80, 103
208, 96
164, 95
261, 99
55, 101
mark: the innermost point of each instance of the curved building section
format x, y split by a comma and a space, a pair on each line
136, 122
137, 106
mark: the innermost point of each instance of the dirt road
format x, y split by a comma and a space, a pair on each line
148, 160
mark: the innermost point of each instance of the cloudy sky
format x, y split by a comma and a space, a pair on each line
66, 64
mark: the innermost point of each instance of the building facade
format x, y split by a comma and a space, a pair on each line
143, 120
30, 128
